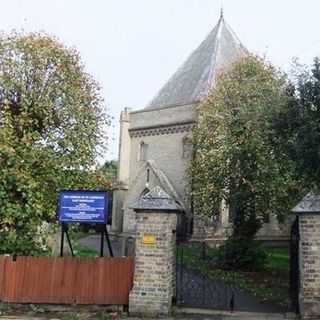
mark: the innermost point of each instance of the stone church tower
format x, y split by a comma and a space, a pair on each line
155, 142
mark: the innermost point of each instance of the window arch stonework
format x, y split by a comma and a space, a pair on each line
187, 147
143, 151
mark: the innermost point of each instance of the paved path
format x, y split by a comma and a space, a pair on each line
235, 316
93, 242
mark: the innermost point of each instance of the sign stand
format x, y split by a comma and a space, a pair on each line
84, 206
104, 232
108, 241
64, 230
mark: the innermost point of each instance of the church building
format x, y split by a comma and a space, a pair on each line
155, 145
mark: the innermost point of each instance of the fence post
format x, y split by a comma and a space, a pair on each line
308, 211
155, 254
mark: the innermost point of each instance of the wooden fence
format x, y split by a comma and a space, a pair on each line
66, 280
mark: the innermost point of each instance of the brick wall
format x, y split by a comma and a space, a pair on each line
154, 278
310, 265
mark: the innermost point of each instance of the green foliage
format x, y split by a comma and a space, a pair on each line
238, 156
71, 315
242, 255
82, 251
278, 260
51, 132
109, 170
299, 124
104, 315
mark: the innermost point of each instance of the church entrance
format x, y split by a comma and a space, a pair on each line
195, 287
202, 283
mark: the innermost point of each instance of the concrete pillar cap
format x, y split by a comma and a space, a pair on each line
309, 204
157, 200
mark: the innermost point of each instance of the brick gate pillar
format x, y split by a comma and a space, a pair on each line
155, 254
308, 211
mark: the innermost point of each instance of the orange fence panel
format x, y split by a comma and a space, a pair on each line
66, 280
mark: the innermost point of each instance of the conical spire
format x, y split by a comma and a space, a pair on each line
194, 79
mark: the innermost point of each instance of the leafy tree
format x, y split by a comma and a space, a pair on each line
299, 124
238, 156
51, 131
109, 170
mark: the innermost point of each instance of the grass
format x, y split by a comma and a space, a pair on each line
278, 260
272, 283
70, 316
84, 252
81, 250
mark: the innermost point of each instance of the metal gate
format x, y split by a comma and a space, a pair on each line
294, 266
195, 288
201, 283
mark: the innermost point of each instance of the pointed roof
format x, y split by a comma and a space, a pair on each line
309, 204
194, 79
156, 199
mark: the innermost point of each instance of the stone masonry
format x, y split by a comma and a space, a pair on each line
310, 265
154, 277
309, 229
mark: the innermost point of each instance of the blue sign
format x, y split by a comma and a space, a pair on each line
83, 206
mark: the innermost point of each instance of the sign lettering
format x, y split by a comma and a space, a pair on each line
83, 206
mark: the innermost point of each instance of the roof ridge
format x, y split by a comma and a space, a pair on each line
213, 57
196, 76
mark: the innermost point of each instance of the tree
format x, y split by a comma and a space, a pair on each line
52, 123
109, 170
238, 156
299, 125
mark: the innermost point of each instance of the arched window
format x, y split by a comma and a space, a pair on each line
143, 151
187, 147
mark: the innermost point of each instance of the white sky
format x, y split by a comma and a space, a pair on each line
132, 47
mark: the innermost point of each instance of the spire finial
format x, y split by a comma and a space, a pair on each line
221, 10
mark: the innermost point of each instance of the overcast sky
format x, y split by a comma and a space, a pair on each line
133, 46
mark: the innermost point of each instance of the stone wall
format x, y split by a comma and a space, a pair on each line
163, 131
169, 162
164, 116
167, 152
204, 228
123, 173
309, 228
154, 278
217, 231
119, 194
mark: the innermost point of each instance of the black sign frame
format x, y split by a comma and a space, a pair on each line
102, 226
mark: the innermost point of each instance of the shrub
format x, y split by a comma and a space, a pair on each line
241, 254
